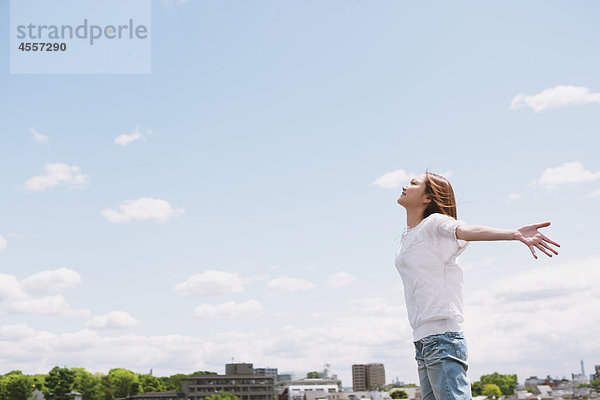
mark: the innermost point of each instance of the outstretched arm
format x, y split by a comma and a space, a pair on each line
527, 234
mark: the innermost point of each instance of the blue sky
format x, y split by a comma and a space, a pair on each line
251, 190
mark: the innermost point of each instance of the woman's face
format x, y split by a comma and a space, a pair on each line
413, 194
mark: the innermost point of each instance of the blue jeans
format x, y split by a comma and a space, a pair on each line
442, 362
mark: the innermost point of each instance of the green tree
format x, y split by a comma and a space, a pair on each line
39, 381
595, 383
491, 390
411, 385
506, 383
16, 386
149, 383
172, 383
223, 396
203, 373
312, 375
107, 388
87, 384
59, 384
476, 388
125, 382
398, 394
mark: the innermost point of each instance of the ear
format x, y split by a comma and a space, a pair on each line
427, 199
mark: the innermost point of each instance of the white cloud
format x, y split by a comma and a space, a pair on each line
51, 281
558, 96
340, 279
256, 278
569, 172
47, 305
19, 296
595, 193
113, 320
57, 174
230, 309
114, 216
376, 307
10, 288
393, 179
15, 332
479, 263
38, 136
2, 243
286, 284
126, 138
514, 196
506, 318
144, 208
211, 283
371, 327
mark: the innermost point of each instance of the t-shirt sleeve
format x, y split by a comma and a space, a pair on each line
442, 229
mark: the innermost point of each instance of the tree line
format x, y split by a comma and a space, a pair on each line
59, 382
495, 385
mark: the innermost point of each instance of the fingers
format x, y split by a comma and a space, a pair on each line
550, 240
549, 248
543, 224
542, 247
532, 252
543, 250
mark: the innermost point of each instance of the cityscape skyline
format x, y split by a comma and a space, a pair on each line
245, 382
326, 373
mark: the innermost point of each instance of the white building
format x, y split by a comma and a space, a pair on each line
271, 372
371, 395
295, 390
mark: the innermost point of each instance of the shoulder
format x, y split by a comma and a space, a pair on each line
432, 221
439, 218
441, 223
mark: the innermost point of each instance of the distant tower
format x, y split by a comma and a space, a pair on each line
326, 371
582, 369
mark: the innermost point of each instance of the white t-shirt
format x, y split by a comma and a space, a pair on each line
433, 280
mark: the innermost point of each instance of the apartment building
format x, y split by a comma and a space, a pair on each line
237, 380
367, 377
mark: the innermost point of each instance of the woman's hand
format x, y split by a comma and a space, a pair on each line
529, 235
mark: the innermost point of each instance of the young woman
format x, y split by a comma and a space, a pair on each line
433, 280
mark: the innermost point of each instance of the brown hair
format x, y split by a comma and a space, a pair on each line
441, 194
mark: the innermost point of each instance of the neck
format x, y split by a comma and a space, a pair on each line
413, 217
